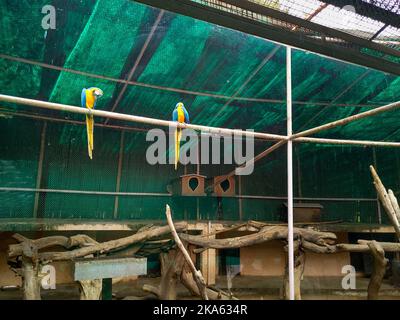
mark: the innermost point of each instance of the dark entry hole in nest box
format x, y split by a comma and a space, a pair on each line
193, 183
225, 185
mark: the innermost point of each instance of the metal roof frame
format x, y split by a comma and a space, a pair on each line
281, 35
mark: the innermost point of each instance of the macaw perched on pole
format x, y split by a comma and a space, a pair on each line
88, 99
180, 115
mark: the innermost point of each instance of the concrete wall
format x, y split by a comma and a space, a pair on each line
269, 259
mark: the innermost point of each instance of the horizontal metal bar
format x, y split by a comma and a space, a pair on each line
132, 83
197, 93
132, 118
306, 198
155, 194
102, 193
360, 143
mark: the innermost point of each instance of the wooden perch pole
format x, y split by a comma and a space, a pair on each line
198, 277
265, 234
78, 240
387, 204
379, 269
138, 119
342, 122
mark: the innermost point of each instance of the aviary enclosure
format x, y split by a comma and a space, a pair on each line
318, 86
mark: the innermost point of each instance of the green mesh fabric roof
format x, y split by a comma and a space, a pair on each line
224, 77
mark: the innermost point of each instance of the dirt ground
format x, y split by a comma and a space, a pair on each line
242, 287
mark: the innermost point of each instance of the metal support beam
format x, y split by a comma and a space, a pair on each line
155, 194
290, 171
99, 193
40, 168
378, 32
326, 31
369, 10
275, 33
314, 14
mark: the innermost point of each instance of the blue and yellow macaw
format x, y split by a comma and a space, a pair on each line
180, 115
88, 99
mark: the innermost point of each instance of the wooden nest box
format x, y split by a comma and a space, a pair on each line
225, 187
188, 185
303, 212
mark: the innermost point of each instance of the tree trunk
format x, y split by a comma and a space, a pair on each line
190, 284
299, 263
171, 263
198, 277
30, 279
379, 269
90, 289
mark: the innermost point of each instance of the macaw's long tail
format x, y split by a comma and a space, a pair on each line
89, 128
178, 136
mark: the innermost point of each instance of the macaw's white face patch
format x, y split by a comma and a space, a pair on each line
98, 93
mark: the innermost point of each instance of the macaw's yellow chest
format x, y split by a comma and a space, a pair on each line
89, 100
181, 115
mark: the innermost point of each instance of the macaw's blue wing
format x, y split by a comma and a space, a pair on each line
187, 120
83, 98
175, 115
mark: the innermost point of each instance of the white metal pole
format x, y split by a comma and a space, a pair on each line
290, 170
